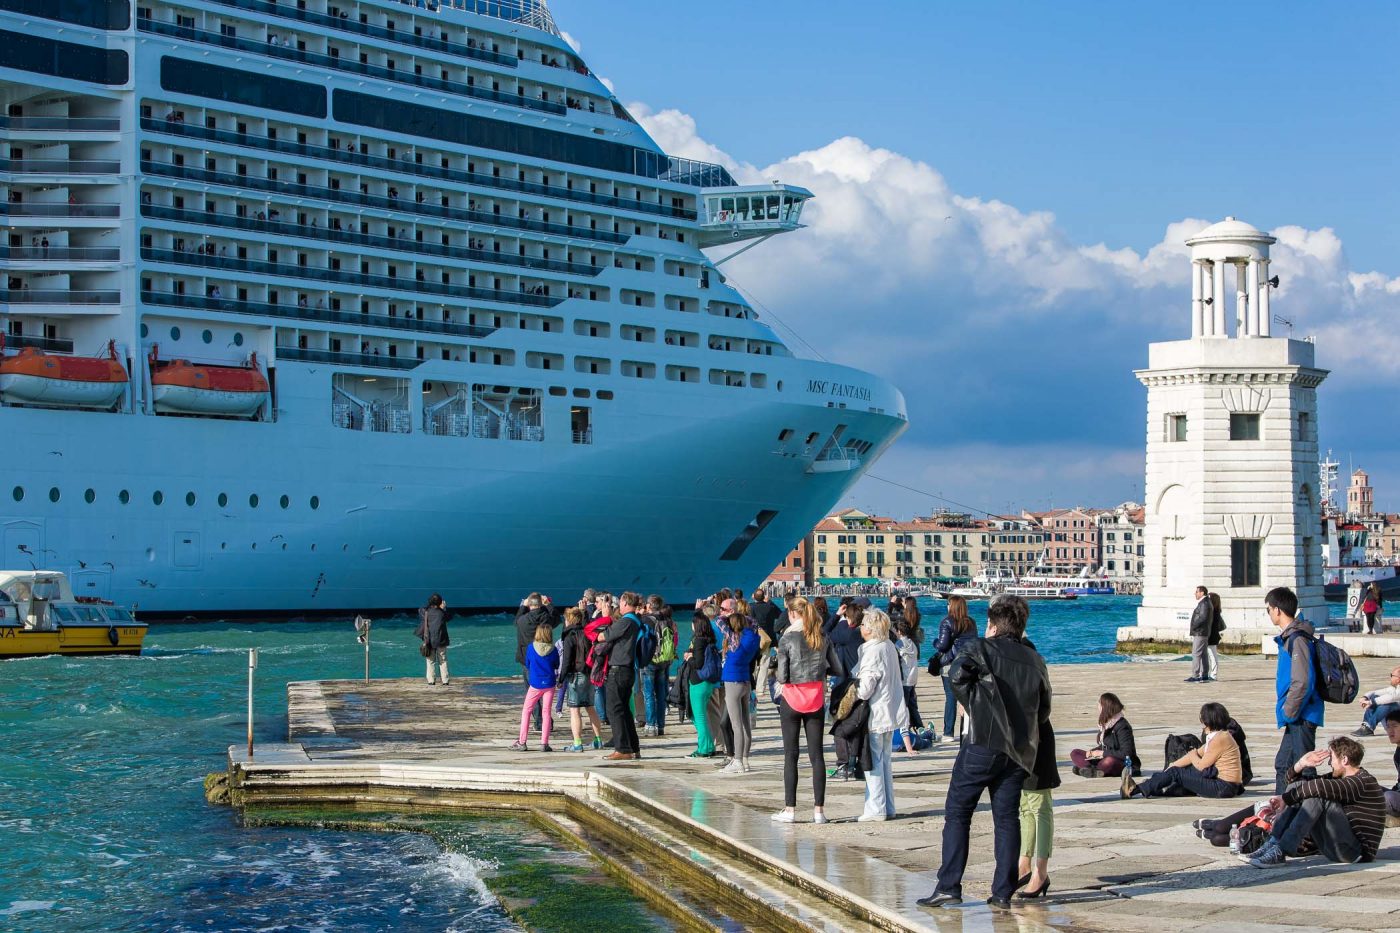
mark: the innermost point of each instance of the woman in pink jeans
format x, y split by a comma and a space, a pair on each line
542, 671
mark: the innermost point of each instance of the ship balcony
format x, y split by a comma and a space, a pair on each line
745, 212
21, 212
41, 128
45, 258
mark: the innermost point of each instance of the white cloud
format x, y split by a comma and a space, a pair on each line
1001, 330
574, 44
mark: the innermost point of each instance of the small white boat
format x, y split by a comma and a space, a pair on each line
1041, 592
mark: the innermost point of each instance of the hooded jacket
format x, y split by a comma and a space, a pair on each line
525, 625
1004, 686
1296, 677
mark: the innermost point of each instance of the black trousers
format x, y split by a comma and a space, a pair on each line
621, 680
1299, 738
975, 770
810, 723
1325, 822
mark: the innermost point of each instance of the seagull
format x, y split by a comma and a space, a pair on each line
56, 453
147, 583
949, 217
108, 564
82, 566
273, 538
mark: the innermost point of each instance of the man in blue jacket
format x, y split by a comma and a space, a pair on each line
1298, 708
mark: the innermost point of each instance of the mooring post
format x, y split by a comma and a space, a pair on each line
252, 666
362, 626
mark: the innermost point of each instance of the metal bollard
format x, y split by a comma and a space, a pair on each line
362, 626
252, 666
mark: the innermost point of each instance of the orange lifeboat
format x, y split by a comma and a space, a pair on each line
36, 378
185, 388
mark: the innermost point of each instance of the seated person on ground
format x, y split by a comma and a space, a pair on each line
1340, 815
1213, 770
1116, 744
1379, 704
1392, 796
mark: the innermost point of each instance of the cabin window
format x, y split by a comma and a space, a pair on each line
157, 497
18, 493
190, 498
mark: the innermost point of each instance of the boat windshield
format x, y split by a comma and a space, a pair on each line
118, 614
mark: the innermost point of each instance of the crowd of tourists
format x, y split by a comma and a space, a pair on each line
620, 664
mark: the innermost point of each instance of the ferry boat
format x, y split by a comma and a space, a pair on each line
1041, 592
442, 317
39, 615
1084, 583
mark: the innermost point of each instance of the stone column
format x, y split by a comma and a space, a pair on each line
1241, 301
1265, 318
1217, 277
1252, 296
1198, 307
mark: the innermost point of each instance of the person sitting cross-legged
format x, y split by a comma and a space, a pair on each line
1213, 770
1379, 704
1340, 815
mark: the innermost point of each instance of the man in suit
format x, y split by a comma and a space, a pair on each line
1201, 618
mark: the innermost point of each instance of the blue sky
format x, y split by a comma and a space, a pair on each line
1054, 128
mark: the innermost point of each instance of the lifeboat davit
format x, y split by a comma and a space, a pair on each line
185, 388
37, 378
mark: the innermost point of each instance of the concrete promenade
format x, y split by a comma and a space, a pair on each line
1118, 865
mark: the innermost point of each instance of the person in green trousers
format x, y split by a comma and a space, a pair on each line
702, 639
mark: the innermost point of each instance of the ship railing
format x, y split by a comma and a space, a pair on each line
389, 418
61, 166
294, 312
62, 124
32, 209
369, 200
61, 253
210, 218
584, 436
409, 166
532, 13
343, 23
323, 274
47, 344
60, 296
302, 355
837, 453
682, 171
519, 429
286, 52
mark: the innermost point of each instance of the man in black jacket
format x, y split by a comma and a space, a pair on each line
1003, 685
1202, 618
618, 640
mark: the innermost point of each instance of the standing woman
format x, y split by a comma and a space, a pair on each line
1217, 627
908, 648
741, 647
1038, 818
882, 689
805, 658
954, 632
702, 656
1371, 606
578, 690
432, 629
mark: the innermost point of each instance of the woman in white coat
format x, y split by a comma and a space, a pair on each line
882, 688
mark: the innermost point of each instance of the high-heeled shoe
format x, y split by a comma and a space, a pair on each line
1022, 881
1040, 892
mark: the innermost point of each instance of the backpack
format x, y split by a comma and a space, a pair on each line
1336, 680
665, 651
1253, 832
646, 638
1178, 745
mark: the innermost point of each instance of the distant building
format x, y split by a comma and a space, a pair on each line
1387, 541
1361, 498
795, 570
1071, 539
1121, 541
1014, 544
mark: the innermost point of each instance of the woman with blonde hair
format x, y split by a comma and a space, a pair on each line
805, 659
882, 688
541, 666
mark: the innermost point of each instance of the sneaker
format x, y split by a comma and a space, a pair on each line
1363, 731
698, 754
576, 747
819, 818
518, 747
597, 742
726, 762
939, 899
871, 818
546, 748
784, 816
735, 766
1270, 856
1193, 679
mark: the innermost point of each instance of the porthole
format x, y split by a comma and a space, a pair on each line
284, 501
189, 498
255, 545
54, 494
315, 502
157, 497
123, 497
89, 496
238, 340
207, 336
223, 545
18, 493
174, 333
284, 545
313, 547
145, 331
253, 500
223, 499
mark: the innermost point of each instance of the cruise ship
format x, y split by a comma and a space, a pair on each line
321, 306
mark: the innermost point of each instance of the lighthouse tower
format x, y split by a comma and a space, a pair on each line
1231, 492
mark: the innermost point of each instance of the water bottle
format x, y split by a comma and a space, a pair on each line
1234, 840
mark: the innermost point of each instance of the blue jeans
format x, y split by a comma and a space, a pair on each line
600, 703
1376, 713
656, 680
879, 780
976, 769
950, 707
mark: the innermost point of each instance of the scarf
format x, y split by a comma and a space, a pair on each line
1103, 729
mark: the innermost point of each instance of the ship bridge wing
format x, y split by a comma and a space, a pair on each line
743, 212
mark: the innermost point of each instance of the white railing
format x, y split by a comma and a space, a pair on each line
533, 13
